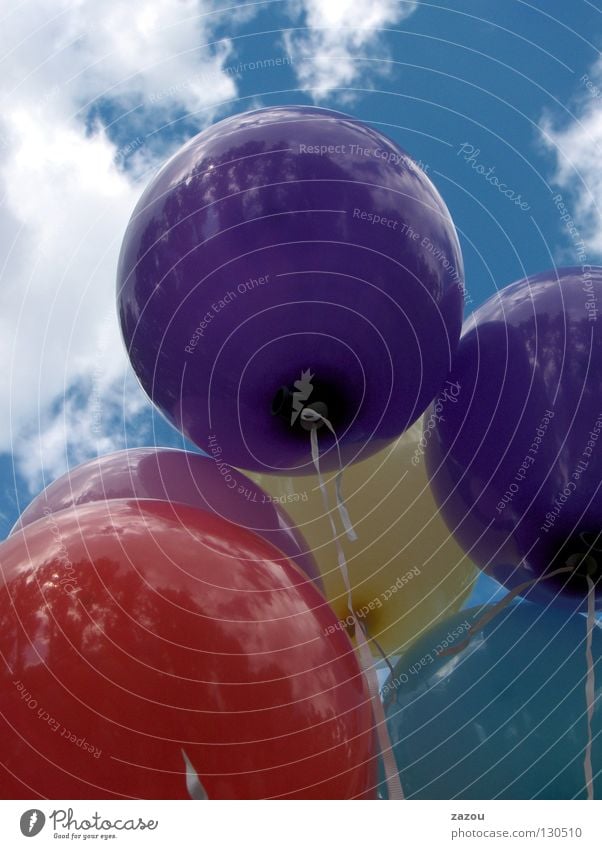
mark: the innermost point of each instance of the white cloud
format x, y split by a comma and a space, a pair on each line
82, 425
66, 198
577, 148
70, 52
341, 31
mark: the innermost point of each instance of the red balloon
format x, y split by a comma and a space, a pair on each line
184, 477
138, 637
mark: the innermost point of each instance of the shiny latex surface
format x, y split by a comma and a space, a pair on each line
504, 719
406, 570
182, 477
133, 631
253, 256
516, 461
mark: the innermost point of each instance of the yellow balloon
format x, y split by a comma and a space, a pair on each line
405, 569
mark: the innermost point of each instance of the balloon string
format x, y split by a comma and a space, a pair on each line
313, 417
381, 651
193, 782
497, 609
395, 791
590, 692
340, 554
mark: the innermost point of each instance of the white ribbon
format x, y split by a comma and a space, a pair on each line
590, 686
193, 782
497, 609
367, 665
312, 417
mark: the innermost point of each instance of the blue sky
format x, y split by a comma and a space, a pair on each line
96, 95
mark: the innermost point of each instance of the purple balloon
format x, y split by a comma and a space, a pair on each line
290, 245
182, 477
514, 447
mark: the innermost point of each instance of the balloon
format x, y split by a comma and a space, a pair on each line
150, 650
503, 719
180, 476
284, 257
514, 459
406, 570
